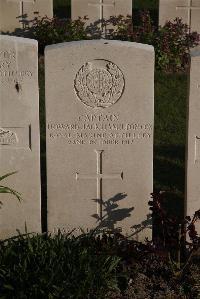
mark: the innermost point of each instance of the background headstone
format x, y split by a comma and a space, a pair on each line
10, 13
99, 111
96, 10
187, 10
16, 14
19, 134
193, 147
37, 8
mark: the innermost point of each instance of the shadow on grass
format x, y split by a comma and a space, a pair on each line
169, 167
169, 175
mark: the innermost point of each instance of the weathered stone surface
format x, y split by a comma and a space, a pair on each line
17, 14
97, 10
38, 8
99, 111
187, 10
193, 147
10, 12
19, 134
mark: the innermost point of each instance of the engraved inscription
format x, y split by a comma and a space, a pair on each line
8, 137
99, 83
10, 72
100, 129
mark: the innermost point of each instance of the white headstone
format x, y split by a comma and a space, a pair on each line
19, 134
17, 14
10, 15
99, 111
193, 147
187, 10
38, 8
99, 10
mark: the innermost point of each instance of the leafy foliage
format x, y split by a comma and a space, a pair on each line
7, 190
171, 42
51, 31
104, 266
176, 239
55, 267
90, 266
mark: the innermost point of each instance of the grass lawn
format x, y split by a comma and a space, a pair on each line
170, 131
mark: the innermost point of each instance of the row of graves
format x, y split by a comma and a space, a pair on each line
17, 14
99, 132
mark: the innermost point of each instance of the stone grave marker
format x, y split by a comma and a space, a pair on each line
35, 8
99, 111
193, 147
99, 10
10, 15
19, 134
16, 14
187, 10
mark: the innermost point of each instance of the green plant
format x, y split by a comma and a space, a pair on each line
177, 239
7, 190
172, 42
51, 31
172, 45
60, 266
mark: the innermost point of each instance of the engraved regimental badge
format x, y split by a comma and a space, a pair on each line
7, 137
99, 83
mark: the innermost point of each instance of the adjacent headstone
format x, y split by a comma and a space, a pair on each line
187, 10
18, 14
193, 147
19, 134
99, 10
99, 111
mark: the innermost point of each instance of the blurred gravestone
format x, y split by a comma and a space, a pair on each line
17, 14
10, 15
19, 134
193, 147
99, 10
37, 8
99, 111
187, 10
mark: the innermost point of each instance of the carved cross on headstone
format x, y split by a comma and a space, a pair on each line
101, 6
22, 12
189, 8
99, 177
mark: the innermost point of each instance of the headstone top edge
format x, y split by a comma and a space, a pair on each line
18, 39
101, 42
